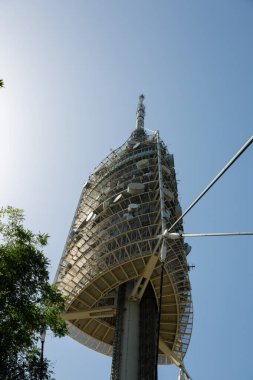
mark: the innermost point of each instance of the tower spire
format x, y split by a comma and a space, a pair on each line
140, 113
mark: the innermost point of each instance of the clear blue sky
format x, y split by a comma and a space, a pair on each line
73, 71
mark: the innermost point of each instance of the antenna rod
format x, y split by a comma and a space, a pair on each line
219, 175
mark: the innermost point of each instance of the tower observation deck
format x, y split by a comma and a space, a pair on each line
110, 267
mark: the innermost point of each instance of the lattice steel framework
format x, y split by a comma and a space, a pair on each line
115, 238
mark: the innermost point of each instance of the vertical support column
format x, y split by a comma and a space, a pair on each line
125, 361
130, 339
116, 354
148, 335
134, 348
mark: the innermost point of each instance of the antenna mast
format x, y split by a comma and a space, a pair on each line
140, 113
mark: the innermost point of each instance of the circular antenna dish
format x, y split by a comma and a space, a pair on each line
89, 217
136, 145
117, 198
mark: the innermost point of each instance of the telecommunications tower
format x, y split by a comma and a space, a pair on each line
116, 253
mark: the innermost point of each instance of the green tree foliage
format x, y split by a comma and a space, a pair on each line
1, 83
28, 303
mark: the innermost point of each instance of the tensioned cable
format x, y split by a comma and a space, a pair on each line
219, 175
175, 235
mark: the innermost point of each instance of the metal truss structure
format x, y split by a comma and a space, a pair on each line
115, 238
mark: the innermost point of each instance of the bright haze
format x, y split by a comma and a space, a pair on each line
73, 71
